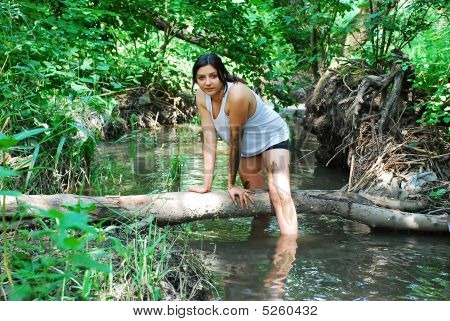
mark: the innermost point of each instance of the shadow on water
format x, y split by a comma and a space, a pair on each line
332, 259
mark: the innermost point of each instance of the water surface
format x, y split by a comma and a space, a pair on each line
332, 259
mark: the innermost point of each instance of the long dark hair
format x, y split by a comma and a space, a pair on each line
215, 61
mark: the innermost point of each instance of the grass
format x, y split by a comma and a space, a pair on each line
176, 164
66, 256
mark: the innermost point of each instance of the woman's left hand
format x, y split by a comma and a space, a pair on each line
243, 194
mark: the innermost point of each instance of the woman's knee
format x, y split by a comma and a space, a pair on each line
281, 193
253, 181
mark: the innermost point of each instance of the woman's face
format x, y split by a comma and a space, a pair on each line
208, 80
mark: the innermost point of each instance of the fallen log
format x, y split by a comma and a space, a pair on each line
181, 207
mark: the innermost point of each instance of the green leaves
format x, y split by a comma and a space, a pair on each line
7, 142
87, 62
65, 237
7, 172
10, 193
82, 260
29, 133
83, 130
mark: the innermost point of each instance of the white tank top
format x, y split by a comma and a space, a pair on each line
264, 129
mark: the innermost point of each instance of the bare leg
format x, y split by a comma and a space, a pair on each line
276, 162
251, 172
252, 176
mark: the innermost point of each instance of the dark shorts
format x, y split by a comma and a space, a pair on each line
282, 145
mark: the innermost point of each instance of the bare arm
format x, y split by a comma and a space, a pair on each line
209, 141
238, 116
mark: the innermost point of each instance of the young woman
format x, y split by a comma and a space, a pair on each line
258, 138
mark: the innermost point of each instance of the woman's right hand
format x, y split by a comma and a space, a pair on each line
199, 189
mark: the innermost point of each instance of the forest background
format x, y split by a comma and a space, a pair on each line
65, 63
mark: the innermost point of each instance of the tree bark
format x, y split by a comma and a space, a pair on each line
180, 207
315, 63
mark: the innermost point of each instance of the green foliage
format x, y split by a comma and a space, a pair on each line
430, 54
314, 29
437, 108
438, 193
196, 120
49, 263
68, 258
65, 257
393, 25
176, 164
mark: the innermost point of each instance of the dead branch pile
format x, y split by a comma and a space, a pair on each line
416, 154
144, 108
363, 123
414, 167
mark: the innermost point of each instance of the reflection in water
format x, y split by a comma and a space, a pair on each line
284, 256
240, 277
260, 274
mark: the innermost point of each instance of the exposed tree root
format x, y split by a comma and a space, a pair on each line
363, 123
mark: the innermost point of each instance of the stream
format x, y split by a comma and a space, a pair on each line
332, 259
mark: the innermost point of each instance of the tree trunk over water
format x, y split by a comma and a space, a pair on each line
180, 207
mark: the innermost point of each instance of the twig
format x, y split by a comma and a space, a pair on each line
118, 91
6, 123
445, 209
4, 64
352, 170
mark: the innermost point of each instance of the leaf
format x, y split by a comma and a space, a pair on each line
116, 85
29, 133
72, 243
87, 284
81, 207
87, 80
33, 162
7, 142
86, 64
102, 66
376, 14
20, 293
438, 193
11, 193
7, 172
117, 245
52, 213
82, 129
76, 221
79, 88
83, 260
59, 149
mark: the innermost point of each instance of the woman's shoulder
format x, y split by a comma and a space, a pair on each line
239, 91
